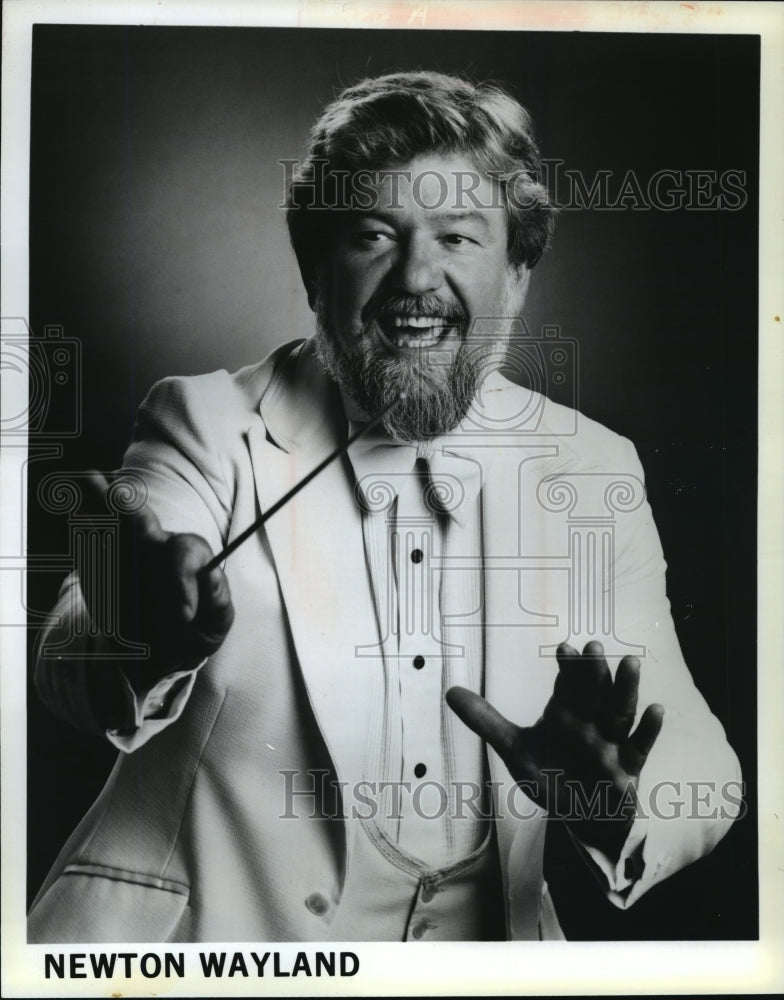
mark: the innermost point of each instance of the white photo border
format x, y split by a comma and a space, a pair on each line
508, 968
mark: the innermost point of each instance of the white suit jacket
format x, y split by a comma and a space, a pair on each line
185, 842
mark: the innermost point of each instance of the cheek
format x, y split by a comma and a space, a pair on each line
498, 283
484, 295
481, 280
343, 292
353, 285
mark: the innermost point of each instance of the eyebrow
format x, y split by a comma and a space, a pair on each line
473, 215
390, 216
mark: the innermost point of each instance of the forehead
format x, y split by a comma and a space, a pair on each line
442, 185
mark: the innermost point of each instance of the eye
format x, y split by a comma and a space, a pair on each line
457, 239
372, 237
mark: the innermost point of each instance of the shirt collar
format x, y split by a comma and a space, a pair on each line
456, 465
303, 407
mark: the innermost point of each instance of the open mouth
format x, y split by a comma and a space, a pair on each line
416, 331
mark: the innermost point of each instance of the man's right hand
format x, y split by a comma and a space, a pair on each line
163, 601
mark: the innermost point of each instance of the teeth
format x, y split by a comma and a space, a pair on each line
418, 341
418, 331
419, 321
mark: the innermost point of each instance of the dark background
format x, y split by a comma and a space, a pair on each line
157, 242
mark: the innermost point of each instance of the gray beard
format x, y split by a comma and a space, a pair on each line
434, 400
437, 396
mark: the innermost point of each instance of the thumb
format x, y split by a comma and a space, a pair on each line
216, 611
485, 721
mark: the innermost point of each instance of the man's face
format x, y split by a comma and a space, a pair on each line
397, 300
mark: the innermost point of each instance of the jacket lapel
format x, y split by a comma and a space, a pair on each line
316, 542
521, 594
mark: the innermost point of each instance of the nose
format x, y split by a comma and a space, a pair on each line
418, 269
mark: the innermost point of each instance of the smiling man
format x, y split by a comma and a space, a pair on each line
313, 748
406, 280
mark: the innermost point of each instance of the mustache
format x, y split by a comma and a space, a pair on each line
414, 305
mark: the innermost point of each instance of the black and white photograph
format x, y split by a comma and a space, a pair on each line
386, 484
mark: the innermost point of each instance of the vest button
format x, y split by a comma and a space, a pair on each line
417, 556
420, 929
317, 904
428, 891
420, 770
419, 662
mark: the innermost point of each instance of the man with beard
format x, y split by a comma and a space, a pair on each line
311, 749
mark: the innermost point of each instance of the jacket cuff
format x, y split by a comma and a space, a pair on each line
617, 877
155, 709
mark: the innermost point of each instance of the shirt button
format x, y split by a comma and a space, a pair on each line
419, 662
317, 904
417, 556
420, 770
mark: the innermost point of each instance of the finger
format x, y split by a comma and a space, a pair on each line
485, 721
621, 705
216, 611
645, 735
188, 553
583, 681
564, 653
594, 649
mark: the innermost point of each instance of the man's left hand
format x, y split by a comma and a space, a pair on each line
584, 738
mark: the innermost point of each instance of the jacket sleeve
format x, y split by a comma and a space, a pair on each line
690, 787
174, 452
